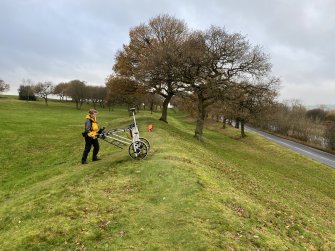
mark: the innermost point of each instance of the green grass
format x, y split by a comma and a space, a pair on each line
226, 193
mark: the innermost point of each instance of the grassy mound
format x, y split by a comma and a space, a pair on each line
226, 193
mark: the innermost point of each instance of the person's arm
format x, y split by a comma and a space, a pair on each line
88, 125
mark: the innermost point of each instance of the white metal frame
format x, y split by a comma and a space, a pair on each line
138, 147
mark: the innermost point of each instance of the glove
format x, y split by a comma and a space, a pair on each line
101, 130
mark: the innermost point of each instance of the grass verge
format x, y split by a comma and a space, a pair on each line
226, 193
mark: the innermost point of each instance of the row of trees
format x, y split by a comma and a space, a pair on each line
292, 119
115, 93
214, 68
76, 90
245, 103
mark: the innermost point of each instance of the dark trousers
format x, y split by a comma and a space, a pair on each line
88, 144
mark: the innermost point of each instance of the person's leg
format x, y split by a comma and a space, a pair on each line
95, 149
88, 145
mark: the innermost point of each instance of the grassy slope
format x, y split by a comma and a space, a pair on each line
226, 193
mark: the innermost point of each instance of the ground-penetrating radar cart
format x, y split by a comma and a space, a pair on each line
138, 147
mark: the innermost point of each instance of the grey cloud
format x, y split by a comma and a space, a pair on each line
60, 40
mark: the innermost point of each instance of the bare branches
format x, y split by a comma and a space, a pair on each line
153, 56
3, 86
44, 90
168, 59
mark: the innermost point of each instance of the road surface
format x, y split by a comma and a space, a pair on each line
323, 157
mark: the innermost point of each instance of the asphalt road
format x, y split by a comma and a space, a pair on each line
323, 157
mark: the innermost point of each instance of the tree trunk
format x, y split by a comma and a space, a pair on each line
224, 123
151, 107
165, 107
200, 117
237, 123
242, 128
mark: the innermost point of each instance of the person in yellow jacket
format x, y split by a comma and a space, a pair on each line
91, 134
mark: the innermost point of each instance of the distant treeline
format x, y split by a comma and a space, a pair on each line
78, 92
314, 126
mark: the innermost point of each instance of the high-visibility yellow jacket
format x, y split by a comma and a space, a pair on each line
91, 126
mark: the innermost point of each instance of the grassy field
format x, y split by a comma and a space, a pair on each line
224, 194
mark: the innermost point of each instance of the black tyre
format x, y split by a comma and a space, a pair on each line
145, 141
138, 150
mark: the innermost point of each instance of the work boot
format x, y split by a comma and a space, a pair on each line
83, 162
96, 159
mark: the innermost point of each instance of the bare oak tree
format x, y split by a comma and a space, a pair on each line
3, 86
247, 100
215, 59
77, 91
153, 57
44, 90
60, 90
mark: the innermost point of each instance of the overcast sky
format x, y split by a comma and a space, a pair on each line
62, 40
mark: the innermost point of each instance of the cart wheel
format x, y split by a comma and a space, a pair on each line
145, 141
138, 150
